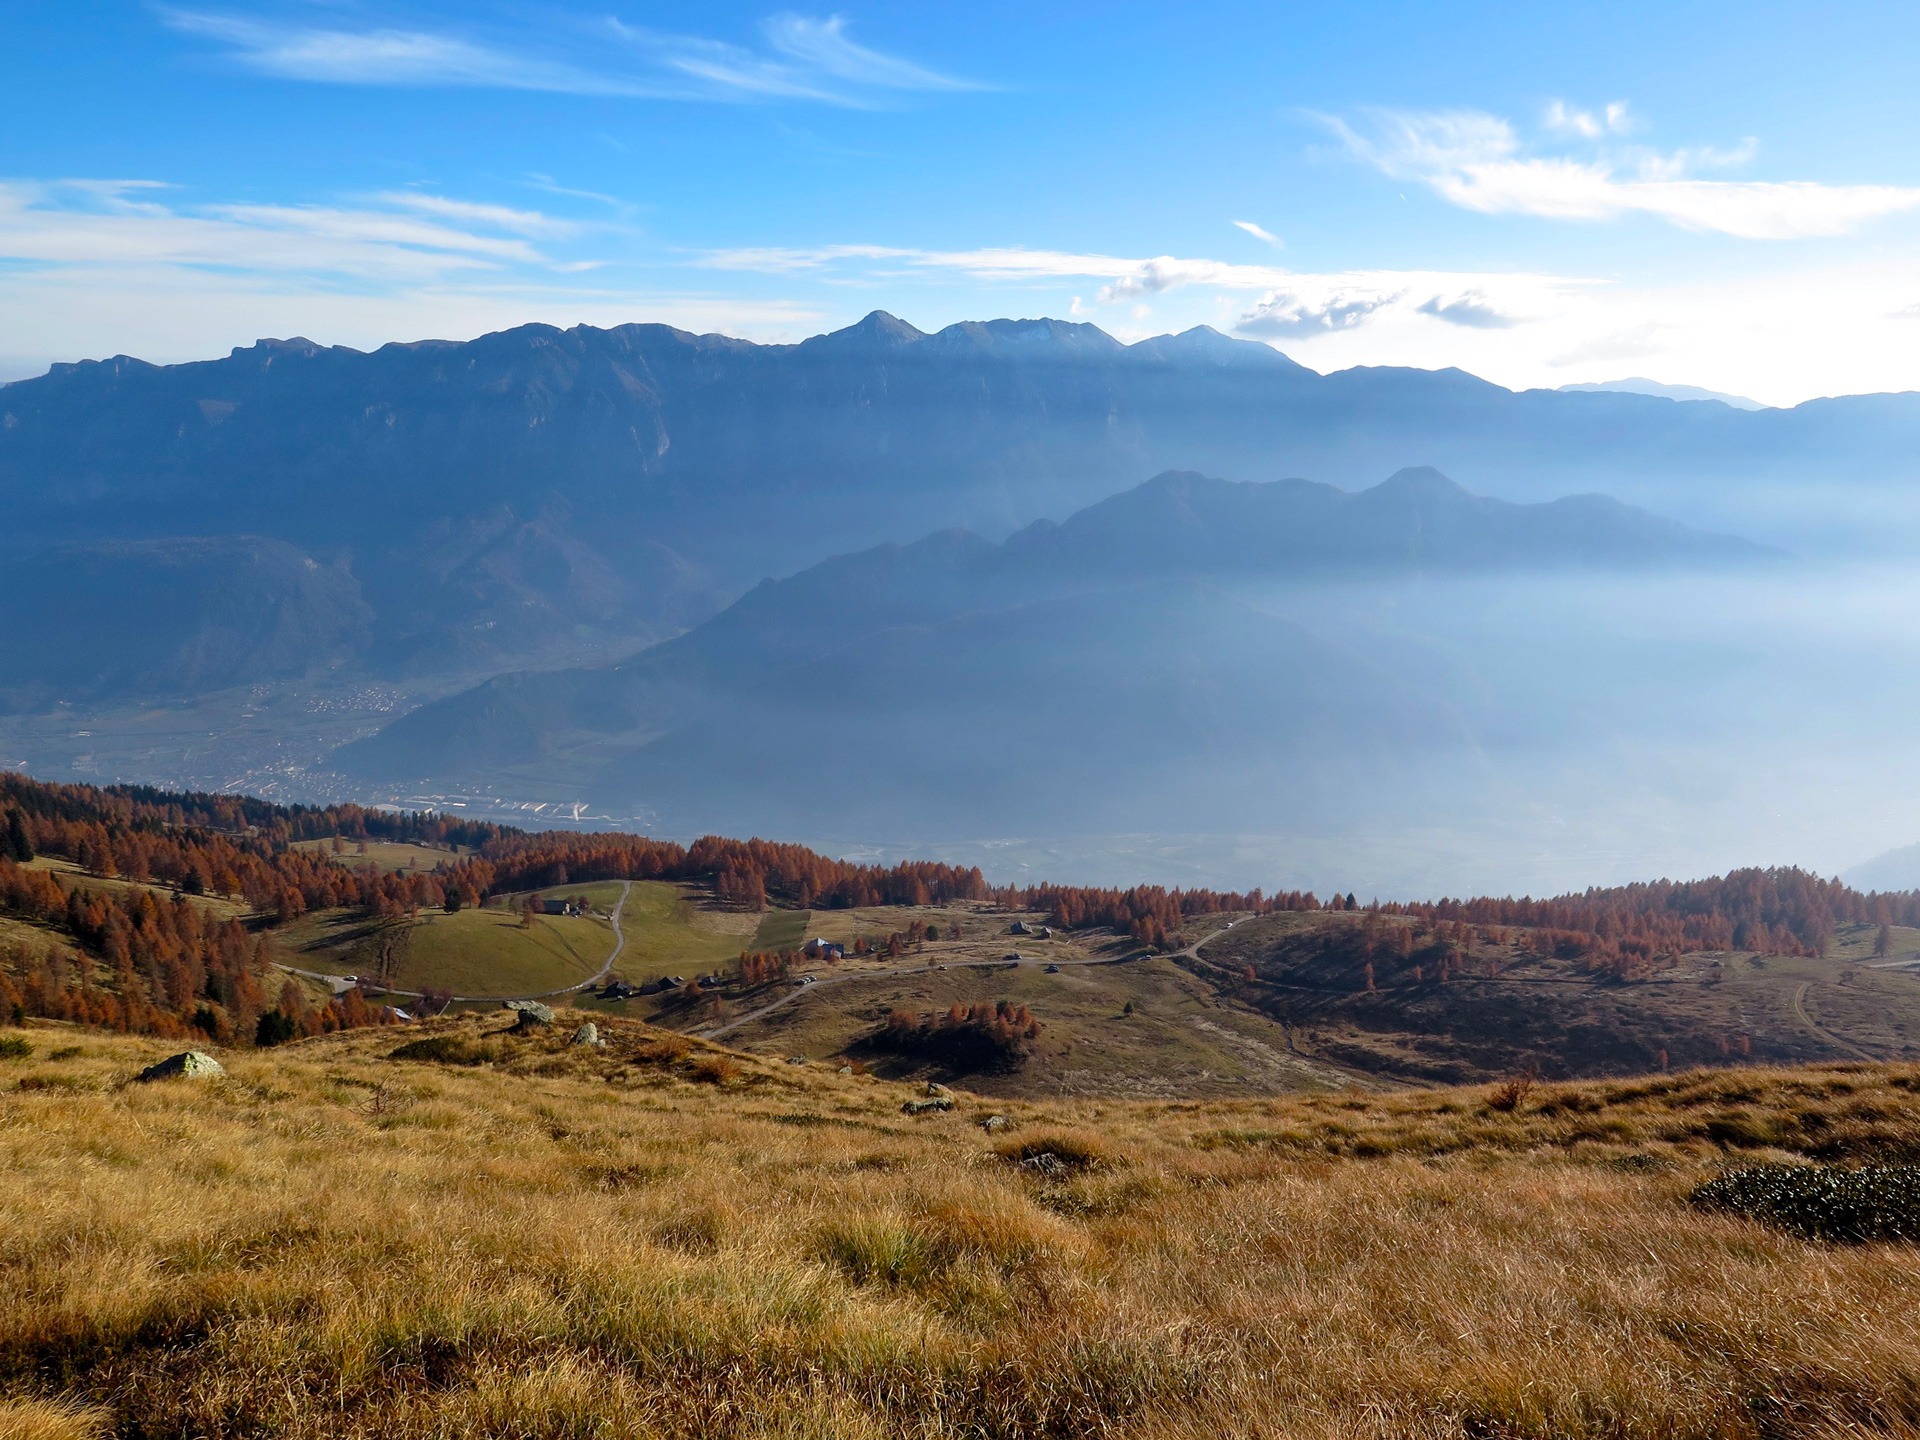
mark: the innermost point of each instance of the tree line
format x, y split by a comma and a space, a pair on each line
168, 963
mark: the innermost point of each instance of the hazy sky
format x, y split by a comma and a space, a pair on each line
1715, 194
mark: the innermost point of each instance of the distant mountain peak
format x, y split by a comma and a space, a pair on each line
876, 330
1419, 480
1640, 385
1203, 342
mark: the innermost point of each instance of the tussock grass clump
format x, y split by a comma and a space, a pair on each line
51, 1420
15, 1047
878, 1248
714, 1069
1057, 1152
1822, 1202
57, 1081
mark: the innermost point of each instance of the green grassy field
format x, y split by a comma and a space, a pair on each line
781, 930
670, 930
475, 952
675, 930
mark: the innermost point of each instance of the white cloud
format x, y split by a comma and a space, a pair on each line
1265, 237
804, 58
1471, 309
1283, 314
1476, 161
1564, 119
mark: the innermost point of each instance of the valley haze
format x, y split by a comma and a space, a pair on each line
524, 575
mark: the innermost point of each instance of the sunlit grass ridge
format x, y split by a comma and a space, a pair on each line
632, 1240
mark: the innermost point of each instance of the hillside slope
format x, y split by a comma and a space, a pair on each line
472, 1233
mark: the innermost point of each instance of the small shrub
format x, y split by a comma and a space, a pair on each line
1822, 1202
662, 1049
451, 1050
714, 1070
15, 1047
1511, 1093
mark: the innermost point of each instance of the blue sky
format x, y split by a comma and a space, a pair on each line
1719, 195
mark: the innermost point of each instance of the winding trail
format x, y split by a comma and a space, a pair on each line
1800, 1010
340, 986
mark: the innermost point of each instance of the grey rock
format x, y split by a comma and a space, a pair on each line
1045, 1163
923, 1107
187, 1065
934, 1087
532, 1014
994, 1124
587, 1034
796, 1059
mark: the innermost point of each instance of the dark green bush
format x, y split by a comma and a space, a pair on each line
15, 1047
1822, 1202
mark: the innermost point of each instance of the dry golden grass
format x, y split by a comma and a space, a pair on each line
639, 1241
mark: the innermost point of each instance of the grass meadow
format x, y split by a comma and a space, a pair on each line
511, 1236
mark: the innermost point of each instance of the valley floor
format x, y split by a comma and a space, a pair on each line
451, 1231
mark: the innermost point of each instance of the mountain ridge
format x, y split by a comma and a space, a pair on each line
1018, 637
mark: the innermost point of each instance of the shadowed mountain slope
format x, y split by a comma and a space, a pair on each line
659, 450
962, 680
171, 617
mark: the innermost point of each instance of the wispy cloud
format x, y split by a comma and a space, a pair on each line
1265, 237
1478, 162
497, 217
799, 57
1130, 278
1565, 119
386, 56
398, 237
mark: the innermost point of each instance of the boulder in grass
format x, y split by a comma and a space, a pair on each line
532, 1015
994, 1124
931, 1103
187, 1065
587, 1034
938, 1091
